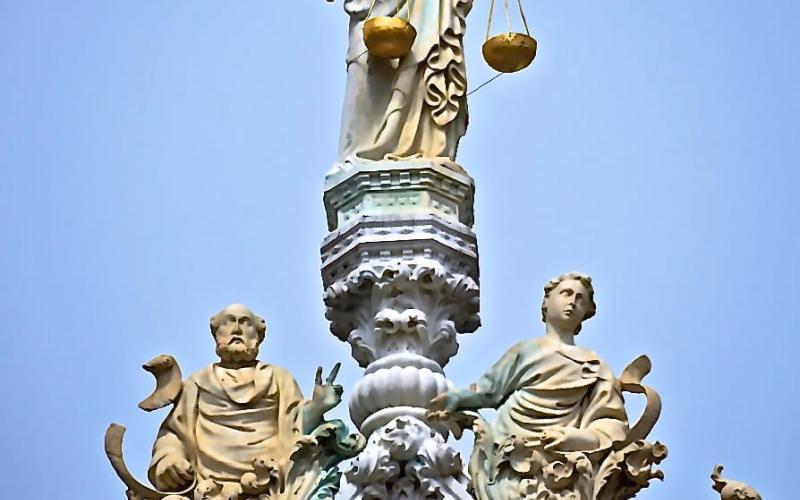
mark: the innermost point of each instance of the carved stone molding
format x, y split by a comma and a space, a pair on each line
399, 384
421, 186
379, 241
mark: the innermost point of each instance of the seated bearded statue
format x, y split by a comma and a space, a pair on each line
240, 428
561, 430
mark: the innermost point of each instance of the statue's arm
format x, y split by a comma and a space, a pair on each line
605, 417
171, 450
325, 397
489, 391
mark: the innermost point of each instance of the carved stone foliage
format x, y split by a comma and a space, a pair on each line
406, 459
513, 469
402, 307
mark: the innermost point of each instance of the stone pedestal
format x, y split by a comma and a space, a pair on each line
400, 271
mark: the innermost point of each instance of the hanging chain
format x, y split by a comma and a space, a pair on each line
508, 15
372, 6
410, 4
489, 26
524, 21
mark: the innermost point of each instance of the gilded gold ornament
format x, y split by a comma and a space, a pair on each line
389, 37
509, 52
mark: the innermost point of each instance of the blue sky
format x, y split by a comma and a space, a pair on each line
163, 159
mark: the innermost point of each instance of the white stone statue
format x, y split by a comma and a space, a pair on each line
561, 430
240, 429
414, 107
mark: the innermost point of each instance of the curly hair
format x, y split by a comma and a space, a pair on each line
586, 280
261, 325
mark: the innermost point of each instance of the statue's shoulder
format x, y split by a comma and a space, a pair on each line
278, 372
604, 370
582, 354
201, 377
527, 345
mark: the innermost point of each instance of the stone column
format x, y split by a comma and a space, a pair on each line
400, 271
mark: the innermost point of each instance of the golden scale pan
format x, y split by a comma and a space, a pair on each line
392, 37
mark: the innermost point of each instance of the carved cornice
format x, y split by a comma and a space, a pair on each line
380, 240
398, 187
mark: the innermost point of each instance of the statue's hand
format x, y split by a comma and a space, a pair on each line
357, 9
443, 406
173, 473
327, 395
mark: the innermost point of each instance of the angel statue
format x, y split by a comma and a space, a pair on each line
412, 107
239, 428
561, 430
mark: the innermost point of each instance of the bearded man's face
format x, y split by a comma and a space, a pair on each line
237, 336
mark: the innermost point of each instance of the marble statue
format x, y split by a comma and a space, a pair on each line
732, 490
414, 107
561, 430
239, 428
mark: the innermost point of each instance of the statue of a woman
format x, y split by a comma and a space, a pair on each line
413, 107
561, 430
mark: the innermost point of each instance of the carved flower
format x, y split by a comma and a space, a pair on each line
559, 474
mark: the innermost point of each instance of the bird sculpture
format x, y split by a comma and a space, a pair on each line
169, 382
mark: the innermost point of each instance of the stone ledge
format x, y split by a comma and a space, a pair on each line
392, 238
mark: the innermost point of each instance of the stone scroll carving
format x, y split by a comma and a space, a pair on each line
561, 431
732, 490
239, 429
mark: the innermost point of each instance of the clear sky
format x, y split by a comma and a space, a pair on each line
161, 159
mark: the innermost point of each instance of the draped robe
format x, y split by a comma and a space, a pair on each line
226, 418
415, 106
538, 385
